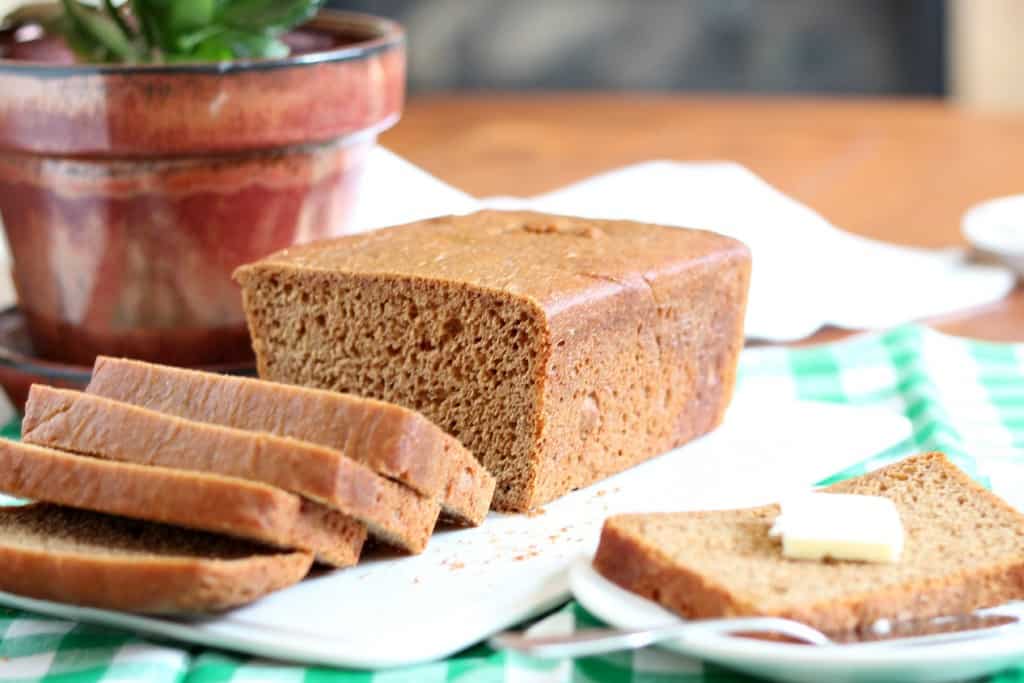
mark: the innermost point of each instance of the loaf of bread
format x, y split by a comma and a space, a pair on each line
194, 500
83, 423
558, 350
84, 558
963, 550
391, 440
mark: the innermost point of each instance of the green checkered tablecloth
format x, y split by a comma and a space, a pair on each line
965, 398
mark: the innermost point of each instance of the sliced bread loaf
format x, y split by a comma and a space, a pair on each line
559, 350
394, 441
85, 558
964, 549
98, 426
196, 500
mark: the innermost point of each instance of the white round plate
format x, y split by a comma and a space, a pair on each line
804, 663
996, 227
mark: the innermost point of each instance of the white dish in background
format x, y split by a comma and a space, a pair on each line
996, 228
472, 583
937, 663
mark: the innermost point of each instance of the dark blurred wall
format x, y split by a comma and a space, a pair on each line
848, 46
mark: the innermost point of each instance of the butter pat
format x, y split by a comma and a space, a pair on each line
814, 526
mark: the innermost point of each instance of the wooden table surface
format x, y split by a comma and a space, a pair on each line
903, 171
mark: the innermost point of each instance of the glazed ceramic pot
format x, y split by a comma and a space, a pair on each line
130, 193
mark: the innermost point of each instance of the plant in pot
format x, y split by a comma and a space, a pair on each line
148, 148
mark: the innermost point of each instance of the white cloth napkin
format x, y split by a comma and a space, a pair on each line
807, 273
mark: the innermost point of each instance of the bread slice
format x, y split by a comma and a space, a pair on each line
964, 549
396, 442
559, 350
98, 426
207, 502
85, 558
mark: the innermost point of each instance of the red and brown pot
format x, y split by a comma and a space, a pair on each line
130, 193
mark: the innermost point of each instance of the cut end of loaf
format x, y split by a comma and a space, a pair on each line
470, 488
467, 359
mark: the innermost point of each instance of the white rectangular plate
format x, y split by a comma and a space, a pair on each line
471, 583
880, 662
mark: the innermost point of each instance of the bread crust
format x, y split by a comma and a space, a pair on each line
391, 440
208, 502
101, 427
469, 490
646, 367
136, 582
167, 586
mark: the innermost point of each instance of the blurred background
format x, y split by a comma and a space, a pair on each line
970, 50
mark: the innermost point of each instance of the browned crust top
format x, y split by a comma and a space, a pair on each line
168, 585
558, 259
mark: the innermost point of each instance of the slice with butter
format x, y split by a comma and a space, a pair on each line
814, 526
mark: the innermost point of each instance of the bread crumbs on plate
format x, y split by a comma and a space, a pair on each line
526, 556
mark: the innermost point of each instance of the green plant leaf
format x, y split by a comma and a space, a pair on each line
93, 30
153, 17
240, 45
148, 30
212, 49
187, 43
115, 15
189, 15
80, 41
255, 46
274, 16
184, 30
